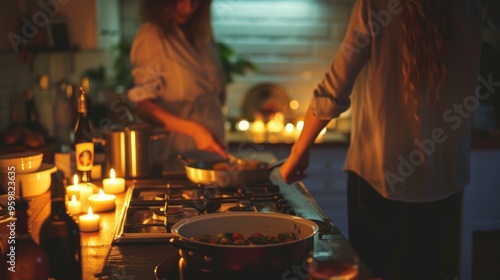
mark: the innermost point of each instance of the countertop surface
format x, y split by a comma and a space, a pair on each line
102, 260
335, 139
131, 260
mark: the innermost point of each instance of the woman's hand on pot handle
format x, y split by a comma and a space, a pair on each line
294, 167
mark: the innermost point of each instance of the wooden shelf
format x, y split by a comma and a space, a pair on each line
47, 49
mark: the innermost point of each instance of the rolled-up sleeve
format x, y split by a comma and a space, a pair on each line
331, 96
146, 57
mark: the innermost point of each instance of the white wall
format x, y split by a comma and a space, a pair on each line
291, 41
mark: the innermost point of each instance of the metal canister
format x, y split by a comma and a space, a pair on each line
129, 150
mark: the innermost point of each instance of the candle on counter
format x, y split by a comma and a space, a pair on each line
89, 222
85, 191
74, 206
113, 184
74, 189
102, 201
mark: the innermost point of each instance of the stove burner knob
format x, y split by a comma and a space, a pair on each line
281, 201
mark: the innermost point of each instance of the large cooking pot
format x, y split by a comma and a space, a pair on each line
129, 150
226, 173
219, 258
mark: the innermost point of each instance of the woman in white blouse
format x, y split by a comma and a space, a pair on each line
408, 70
179, 82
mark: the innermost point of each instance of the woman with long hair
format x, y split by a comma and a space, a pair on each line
179, 82
408, 70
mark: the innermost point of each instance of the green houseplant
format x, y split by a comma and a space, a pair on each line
232, 63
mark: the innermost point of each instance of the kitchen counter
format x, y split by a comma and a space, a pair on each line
335, 139
102, 260
134, 260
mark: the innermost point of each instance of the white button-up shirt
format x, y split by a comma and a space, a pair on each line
403, 158
185, 81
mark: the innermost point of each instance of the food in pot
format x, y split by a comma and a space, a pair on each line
230, 238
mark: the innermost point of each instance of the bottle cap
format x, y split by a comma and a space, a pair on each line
82, 104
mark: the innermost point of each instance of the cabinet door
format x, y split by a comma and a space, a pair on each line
485, 167
327, 183
108, 23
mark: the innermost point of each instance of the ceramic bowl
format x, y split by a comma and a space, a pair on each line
33, 183
20, 163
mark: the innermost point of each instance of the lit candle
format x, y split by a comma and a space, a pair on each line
102, 201
89, 222
85, 191
74, 206
74, 189
113, 184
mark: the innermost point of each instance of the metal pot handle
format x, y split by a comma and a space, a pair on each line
273, 165
186, 245
185, 159
159, 135
100, 141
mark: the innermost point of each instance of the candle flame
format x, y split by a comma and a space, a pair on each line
299, 125
75, 180
101, 193
90, 211
73, 198
112, 174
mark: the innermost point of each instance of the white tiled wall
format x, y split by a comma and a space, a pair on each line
291, 41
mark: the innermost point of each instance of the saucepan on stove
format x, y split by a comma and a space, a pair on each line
251, 258
228, 173
129, 149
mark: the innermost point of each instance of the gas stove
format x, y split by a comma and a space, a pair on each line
151, 208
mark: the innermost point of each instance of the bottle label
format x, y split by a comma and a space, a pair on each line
84, 156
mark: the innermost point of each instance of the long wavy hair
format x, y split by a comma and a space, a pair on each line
161, 13
426, 31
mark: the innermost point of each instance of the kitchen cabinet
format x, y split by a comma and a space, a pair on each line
93, 24
327, 183
481, 210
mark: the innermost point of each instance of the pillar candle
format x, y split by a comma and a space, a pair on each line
74, 189
85, 191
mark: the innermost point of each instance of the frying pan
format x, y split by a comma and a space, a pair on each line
226, 173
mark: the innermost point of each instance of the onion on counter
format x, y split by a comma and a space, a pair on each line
34, 140
11, 137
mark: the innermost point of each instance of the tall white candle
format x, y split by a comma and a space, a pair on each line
74, 189
113, 184
85, 191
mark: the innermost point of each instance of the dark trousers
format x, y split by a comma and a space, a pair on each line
400, 240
